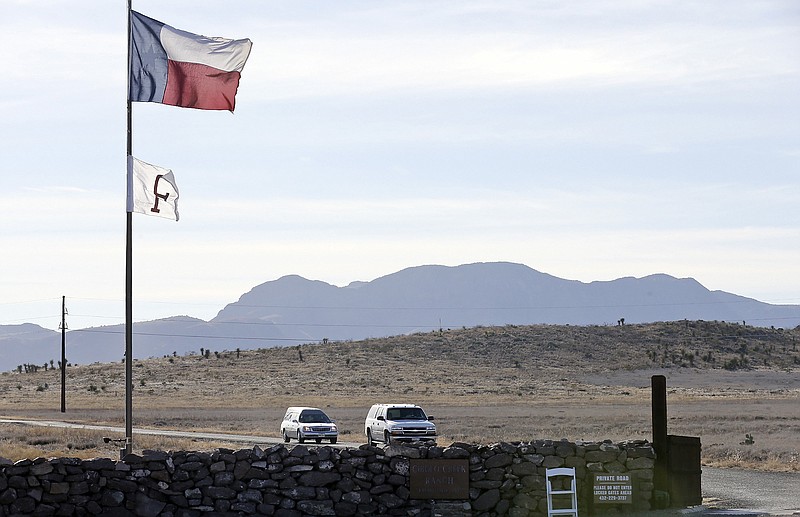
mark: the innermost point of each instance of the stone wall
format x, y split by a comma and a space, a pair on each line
505, 479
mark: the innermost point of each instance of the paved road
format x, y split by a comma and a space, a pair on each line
772, 492
767, 492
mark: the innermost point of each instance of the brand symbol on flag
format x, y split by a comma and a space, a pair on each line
158, 196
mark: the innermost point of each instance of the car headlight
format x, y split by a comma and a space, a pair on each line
333, 428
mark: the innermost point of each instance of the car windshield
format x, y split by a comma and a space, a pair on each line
314, 417
410, 413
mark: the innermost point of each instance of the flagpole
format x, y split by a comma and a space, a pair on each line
219, 92
129, 267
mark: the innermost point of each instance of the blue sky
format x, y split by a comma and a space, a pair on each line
589, 140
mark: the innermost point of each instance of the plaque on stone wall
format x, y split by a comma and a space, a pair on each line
439, 479
612, 488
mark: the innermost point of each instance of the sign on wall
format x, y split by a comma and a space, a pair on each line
439, 479
613, 488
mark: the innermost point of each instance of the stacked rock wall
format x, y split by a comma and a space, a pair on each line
505, 479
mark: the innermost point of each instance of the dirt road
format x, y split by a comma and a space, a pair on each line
245, 439
772, 492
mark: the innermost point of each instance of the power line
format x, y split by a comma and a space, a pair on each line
278, 324
30, 301
520, 307
347, 325
399, 326
479, 308
306, 339
193, 336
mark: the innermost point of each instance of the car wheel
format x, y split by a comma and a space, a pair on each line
318, 440
285, 437
369, 436
300, 438
333, 440
386, 438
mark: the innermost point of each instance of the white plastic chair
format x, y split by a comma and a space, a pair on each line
568, 472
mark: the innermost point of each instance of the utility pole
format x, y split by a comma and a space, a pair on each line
63, 354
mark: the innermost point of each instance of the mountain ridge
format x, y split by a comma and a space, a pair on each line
292, 310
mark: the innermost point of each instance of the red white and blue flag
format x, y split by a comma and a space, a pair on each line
175, 67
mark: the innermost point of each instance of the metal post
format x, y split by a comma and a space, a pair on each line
129, 270
129, 339
63, 354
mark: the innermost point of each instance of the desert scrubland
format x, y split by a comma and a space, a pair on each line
735, 386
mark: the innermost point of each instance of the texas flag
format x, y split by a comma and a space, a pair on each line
175, 67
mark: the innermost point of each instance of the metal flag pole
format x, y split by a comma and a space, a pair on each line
63, 354
129, 268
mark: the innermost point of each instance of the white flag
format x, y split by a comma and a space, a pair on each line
151, 190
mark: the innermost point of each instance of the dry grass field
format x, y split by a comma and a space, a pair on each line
737, 387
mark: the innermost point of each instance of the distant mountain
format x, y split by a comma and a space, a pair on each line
23, 344
293, 310
500, 293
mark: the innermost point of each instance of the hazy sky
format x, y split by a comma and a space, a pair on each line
590, 140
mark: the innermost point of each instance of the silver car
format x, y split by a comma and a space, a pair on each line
393, 423
308, 423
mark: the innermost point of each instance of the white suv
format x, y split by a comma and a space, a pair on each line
393, 423
308, 423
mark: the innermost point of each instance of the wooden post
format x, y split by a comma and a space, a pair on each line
658, 385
